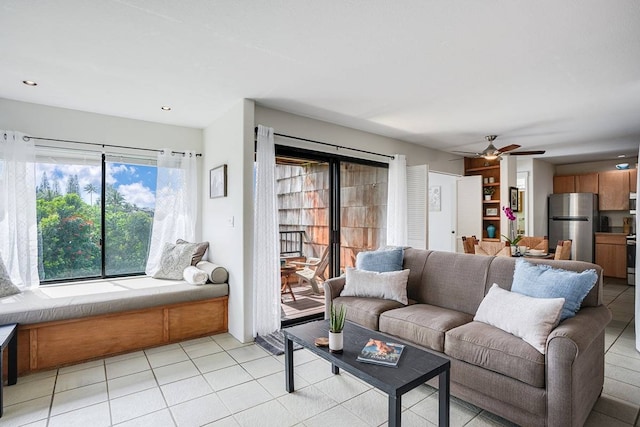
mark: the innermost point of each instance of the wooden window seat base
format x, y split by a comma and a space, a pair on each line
52, 344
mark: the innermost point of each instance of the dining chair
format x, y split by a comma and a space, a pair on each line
535, 242
468, 244
484, 247
563, 250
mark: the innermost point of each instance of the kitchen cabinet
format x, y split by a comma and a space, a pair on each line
587, 183
564, 184
633, 180
614, 190
611, 254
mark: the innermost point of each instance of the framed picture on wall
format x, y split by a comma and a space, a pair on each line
218, 182
513, 199
492, 212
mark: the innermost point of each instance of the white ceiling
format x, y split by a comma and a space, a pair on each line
555, 75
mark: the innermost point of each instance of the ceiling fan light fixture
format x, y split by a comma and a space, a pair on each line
490, 156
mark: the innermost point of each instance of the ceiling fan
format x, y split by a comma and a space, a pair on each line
493, 153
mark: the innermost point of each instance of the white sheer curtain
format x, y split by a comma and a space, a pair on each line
266, 254
176, 203
18, 222
397, 202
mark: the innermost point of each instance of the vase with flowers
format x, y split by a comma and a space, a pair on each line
513, 237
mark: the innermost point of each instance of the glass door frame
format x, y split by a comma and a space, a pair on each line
334, 161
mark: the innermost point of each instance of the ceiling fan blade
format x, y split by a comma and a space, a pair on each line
527, 153
466, 152
508, 148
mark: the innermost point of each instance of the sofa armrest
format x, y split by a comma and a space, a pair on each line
581, 329
575, 366
332, 289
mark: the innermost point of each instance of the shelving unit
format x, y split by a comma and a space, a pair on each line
490, 171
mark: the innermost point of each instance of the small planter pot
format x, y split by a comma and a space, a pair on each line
336, 342
487, 196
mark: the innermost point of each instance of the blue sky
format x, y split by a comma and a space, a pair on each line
135, 182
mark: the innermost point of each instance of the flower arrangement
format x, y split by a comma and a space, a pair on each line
513, 238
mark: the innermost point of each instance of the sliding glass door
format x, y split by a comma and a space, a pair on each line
330, 208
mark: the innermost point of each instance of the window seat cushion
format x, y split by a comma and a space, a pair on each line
76, 300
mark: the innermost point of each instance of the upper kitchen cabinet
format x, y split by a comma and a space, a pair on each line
564, 184
633, 180
614, 190
586, 183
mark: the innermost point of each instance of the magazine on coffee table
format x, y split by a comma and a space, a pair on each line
381, 353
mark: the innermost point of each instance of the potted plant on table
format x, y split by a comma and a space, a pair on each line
336, 325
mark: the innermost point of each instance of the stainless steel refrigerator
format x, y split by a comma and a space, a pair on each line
574, 216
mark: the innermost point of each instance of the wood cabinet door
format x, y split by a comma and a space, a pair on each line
564, 184
633, 180
587, 183
614, 190
612, 259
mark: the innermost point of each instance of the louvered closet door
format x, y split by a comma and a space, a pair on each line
417, 215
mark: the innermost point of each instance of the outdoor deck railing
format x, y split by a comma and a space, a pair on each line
291, 242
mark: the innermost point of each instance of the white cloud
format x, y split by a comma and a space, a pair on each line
112, 170
137, 194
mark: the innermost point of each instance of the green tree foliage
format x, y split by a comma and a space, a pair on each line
70, 231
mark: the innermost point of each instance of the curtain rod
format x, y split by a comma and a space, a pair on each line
329, 145
27, 138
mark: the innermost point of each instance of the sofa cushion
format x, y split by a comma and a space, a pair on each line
388, 285
544, 281
422, 324
366, 311
381, 260
491, 348
531, 319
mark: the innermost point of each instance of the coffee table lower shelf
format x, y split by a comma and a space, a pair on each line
415, 367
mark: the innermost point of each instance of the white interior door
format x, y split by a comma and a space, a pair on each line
442, 211
469, 208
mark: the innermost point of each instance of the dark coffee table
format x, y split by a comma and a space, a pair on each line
415, 367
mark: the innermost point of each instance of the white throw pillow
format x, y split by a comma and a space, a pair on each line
7, 288
174, 259
388, 285
531, 319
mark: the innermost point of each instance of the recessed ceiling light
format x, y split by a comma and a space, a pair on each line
30, 83
165, 108
621, 156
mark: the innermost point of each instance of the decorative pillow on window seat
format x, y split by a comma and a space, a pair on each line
390, 285
381, 260
194, 276
544, 281
198, 254
7, 288
531, 319
174, 259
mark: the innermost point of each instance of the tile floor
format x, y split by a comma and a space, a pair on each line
217, 381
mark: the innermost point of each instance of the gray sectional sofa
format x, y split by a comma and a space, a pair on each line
491, 368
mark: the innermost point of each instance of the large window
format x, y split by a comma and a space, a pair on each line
80, 234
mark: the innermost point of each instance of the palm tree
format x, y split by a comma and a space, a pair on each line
91, 189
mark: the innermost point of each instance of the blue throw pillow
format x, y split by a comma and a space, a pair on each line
380, 261
544, 281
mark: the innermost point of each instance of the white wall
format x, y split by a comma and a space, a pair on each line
291, 124
539, 186
230, 140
